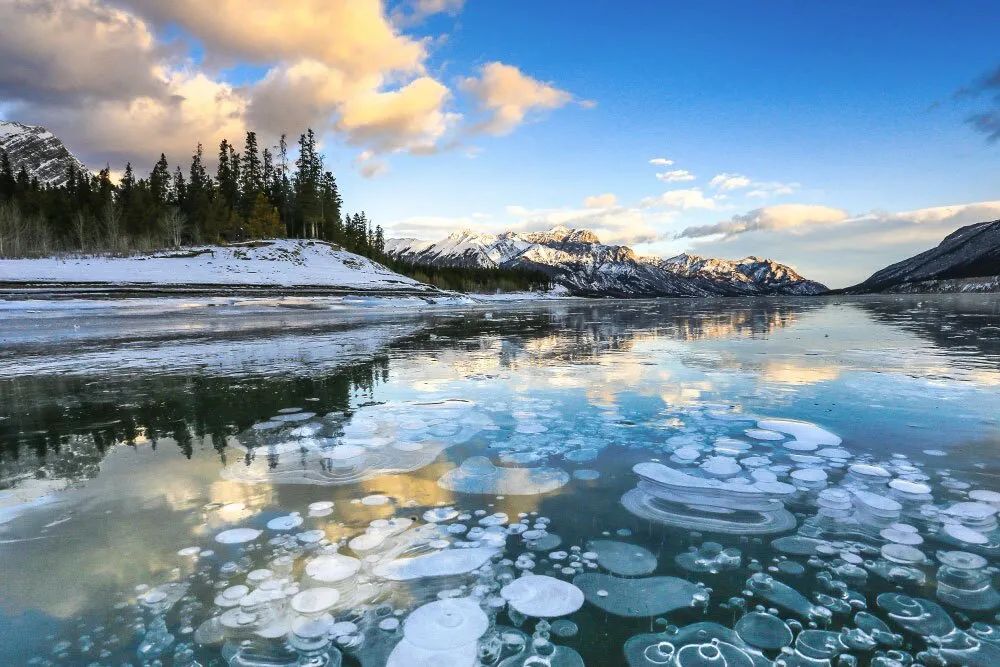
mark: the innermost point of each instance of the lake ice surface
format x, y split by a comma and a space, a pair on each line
600, 483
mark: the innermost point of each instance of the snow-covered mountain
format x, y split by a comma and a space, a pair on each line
576, 259
39, 151
967, 260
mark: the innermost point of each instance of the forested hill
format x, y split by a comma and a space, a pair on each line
254, 194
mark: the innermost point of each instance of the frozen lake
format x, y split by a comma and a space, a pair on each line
712, 482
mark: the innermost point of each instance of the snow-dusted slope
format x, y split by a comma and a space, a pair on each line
967, 260
276, 263
39, 151
576, 259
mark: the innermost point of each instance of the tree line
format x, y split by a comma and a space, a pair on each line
254, 194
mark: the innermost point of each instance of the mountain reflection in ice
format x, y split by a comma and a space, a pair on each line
731, 482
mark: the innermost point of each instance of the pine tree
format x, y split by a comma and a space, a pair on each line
251, 176
159, 182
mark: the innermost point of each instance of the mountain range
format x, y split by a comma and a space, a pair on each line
577, 260
967, 260
38, 151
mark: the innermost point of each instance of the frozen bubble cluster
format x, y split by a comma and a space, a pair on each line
744, 542
742, 506
342, 449
431, 589
478, 475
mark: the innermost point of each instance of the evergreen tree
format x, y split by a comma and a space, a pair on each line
251, 175
159, 182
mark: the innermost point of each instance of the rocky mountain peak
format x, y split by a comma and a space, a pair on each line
38, 151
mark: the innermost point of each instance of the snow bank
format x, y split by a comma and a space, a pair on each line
280, 262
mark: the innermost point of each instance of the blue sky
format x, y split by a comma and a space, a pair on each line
835, 126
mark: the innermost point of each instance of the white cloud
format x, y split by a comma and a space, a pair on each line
766, 189
829, 245
605, 200
507, 96
684, 199
726, 181
661, 162
675, 176
781, 217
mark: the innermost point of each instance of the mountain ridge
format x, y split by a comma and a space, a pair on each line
577, 260
967, 260
41, 153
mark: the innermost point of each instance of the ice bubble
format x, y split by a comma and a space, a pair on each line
622, 558
408, 654
287, 522
800, 430
902, 553
586, 474
564, 627
876, 504
818, 644
961, 533
917, 615
321, 508
439, 514
972, 512
237, 536
784, 596
541, 596
687, 454
637, 598
870, 471
446, 624
446, 562
315, 600
478, 475
764, 631
984, 496
909, 487
333, 567
375, 500
709, 557
809, 475
721, 466
763, 434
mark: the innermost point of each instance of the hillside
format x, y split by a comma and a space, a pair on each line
281, 263
967, 260
577, 260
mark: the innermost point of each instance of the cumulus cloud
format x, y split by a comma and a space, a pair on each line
661, 162
338, 66
600, 201
353, 36
675, 176
781, 217
42, 47
683, 199
507, 96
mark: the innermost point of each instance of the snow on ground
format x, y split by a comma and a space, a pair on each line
280, 262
